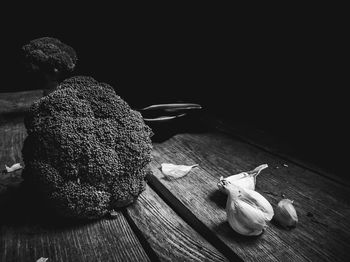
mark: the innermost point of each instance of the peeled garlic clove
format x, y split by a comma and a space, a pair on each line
286, 214
245, 179
172, 171
247, 211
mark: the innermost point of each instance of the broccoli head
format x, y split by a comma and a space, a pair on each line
50, 55
86, 151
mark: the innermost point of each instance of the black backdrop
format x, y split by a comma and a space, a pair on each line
286, 73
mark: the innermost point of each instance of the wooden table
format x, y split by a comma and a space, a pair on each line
177, 220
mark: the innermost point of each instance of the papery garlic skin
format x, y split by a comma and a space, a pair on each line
245, 179
247, 210
172, 171
13, 168
286, 214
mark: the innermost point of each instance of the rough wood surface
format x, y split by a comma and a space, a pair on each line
170, 237
104, 240
323, 206
18, 102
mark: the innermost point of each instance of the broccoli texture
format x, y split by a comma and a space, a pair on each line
50, 54
86, 151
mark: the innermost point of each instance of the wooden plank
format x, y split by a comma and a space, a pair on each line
104, 240
322, 237
27, 232
168, 235
18, 102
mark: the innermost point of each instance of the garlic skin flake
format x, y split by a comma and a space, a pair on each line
42, 259
246, 180
172, 171
247, 211
286, 215
13, 168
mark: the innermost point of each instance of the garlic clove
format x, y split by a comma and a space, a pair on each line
245, 179
171, 171
247, 211
257, 200
286, 214
245, 219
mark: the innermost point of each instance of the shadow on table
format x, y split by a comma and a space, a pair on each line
219, 198
22, 207
228, 233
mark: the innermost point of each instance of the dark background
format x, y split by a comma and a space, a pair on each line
284, 73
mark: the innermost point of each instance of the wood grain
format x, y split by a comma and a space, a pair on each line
170, 237
18, 102
322, 237
104, 240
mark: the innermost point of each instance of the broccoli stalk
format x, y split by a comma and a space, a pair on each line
86, 151
51, 58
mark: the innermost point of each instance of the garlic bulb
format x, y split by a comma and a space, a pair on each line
247, 210
286, 214
245, 179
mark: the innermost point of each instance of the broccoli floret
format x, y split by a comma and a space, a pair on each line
87, 151
50, 54
51, 58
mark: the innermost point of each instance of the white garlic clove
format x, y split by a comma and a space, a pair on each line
247, 211
245, 179
245, 219
285, 214
172, 171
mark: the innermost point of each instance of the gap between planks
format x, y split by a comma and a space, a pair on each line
190, 218
172, 238
138, 233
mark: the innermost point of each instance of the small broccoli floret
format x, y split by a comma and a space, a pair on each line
51, 58
87, 151
50, 54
